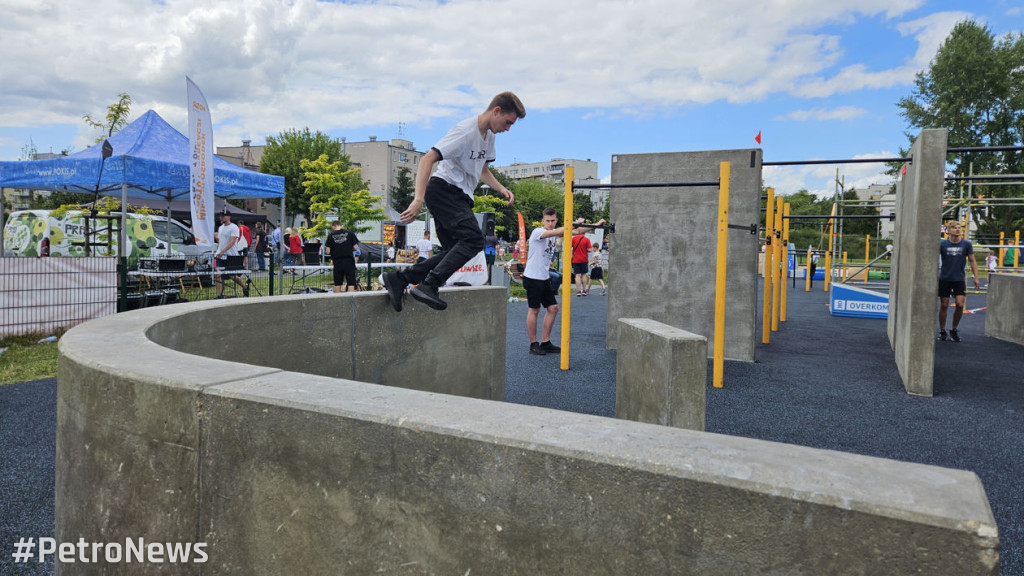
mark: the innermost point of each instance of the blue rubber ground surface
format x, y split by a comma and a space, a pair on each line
824, 381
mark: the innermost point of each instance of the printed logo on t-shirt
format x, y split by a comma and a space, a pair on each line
474, 154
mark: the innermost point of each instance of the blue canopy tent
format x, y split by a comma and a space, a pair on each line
150, 158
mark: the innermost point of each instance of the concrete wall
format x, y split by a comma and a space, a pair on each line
914, 284
1003, 317
281, 472
664, 248
660, 374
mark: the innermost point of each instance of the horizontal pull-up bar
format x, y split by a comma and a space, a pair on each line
889, 217
846, 161
983, 178
985, 149
644, 185
609, 227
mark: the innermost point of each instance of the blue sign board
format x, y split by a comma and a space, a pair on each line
849, 301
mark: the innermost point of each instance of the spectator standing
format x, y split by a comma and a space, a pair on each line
537, 282
227, 241
295, 249
597, 273
260, 247
341, 245
424, 248
954, 252
580, 257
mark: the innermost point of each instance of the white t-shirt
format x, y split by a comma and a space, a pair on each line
539, 254
224, 235
424, 247
464, 154
992, 261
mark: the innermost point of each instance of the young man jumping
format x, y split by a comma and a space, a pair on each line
462, 157
954, 252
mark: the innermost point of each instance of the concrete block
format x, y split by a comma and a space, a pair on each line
914, 284
1004, 318
664, 248
660, 374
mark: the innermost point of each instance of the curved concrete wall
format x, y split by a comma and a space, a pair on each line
281, 472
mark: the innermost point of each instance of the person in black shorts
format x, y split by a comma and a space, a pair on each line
954, 253
342, 244
537, 282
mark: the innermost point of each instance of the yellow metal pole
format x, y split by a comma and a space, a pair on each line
785, 261
567, 267
807, 271
723, 245
1016, 251
769, 231
1002, 249
867, 255
828, 252
778, 264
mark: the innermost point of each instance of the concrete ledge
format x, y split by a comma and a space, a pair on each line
660, 374
284, 472
1004, 319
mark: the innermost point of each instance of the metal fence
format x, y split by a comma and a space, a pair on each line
42, 295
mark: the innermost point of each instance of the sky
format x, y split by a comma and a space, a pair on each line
818, 79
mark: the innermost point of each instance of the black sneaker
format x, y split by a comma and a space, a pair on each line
427, 294
942, 334
536, 349
245, 291
954, 335
395, 286
550, 348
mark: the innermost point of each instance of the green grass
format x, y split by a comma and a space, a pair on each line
26, 360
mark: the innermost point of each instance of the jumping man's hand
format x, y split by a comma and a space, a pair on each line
412, 212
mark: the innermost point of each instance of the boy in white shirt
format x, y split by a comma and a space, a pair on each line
462, 157
536, 281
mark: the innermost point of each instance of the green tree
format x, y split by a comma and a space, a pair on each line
335, 189
115, 119
583, 207
533, 196
404, 190
283, 156
975, 88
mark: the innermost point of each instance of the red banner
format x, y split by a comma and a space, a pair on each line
521, 244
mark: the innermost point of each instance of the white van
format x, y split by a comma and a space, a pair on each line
148, 236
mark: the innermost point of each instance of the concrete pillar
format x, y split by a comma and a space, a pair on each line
660, 374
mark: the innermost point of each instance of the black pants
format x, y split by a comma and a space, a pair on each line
460, 235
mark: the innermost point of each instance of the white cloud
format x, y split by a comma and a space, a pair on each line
273, 64
840, 113
823, 180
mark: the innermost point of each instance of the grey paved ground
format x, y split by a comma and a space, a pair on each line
824, 381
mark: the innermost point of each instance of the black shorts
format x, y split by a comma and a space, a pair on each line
345, 272
597, 273
580, 268
952, 287
539, 293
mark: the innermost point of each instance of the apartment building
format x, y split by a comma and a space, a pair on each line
584, 172
379, 160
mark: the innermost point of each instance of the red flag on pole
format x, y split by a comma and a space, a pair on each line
758, 137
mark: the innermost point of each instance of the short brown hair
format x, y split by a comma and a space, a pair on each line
509, 104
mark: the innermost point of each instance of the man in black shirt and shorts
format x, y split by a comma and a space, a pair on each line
342, 244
